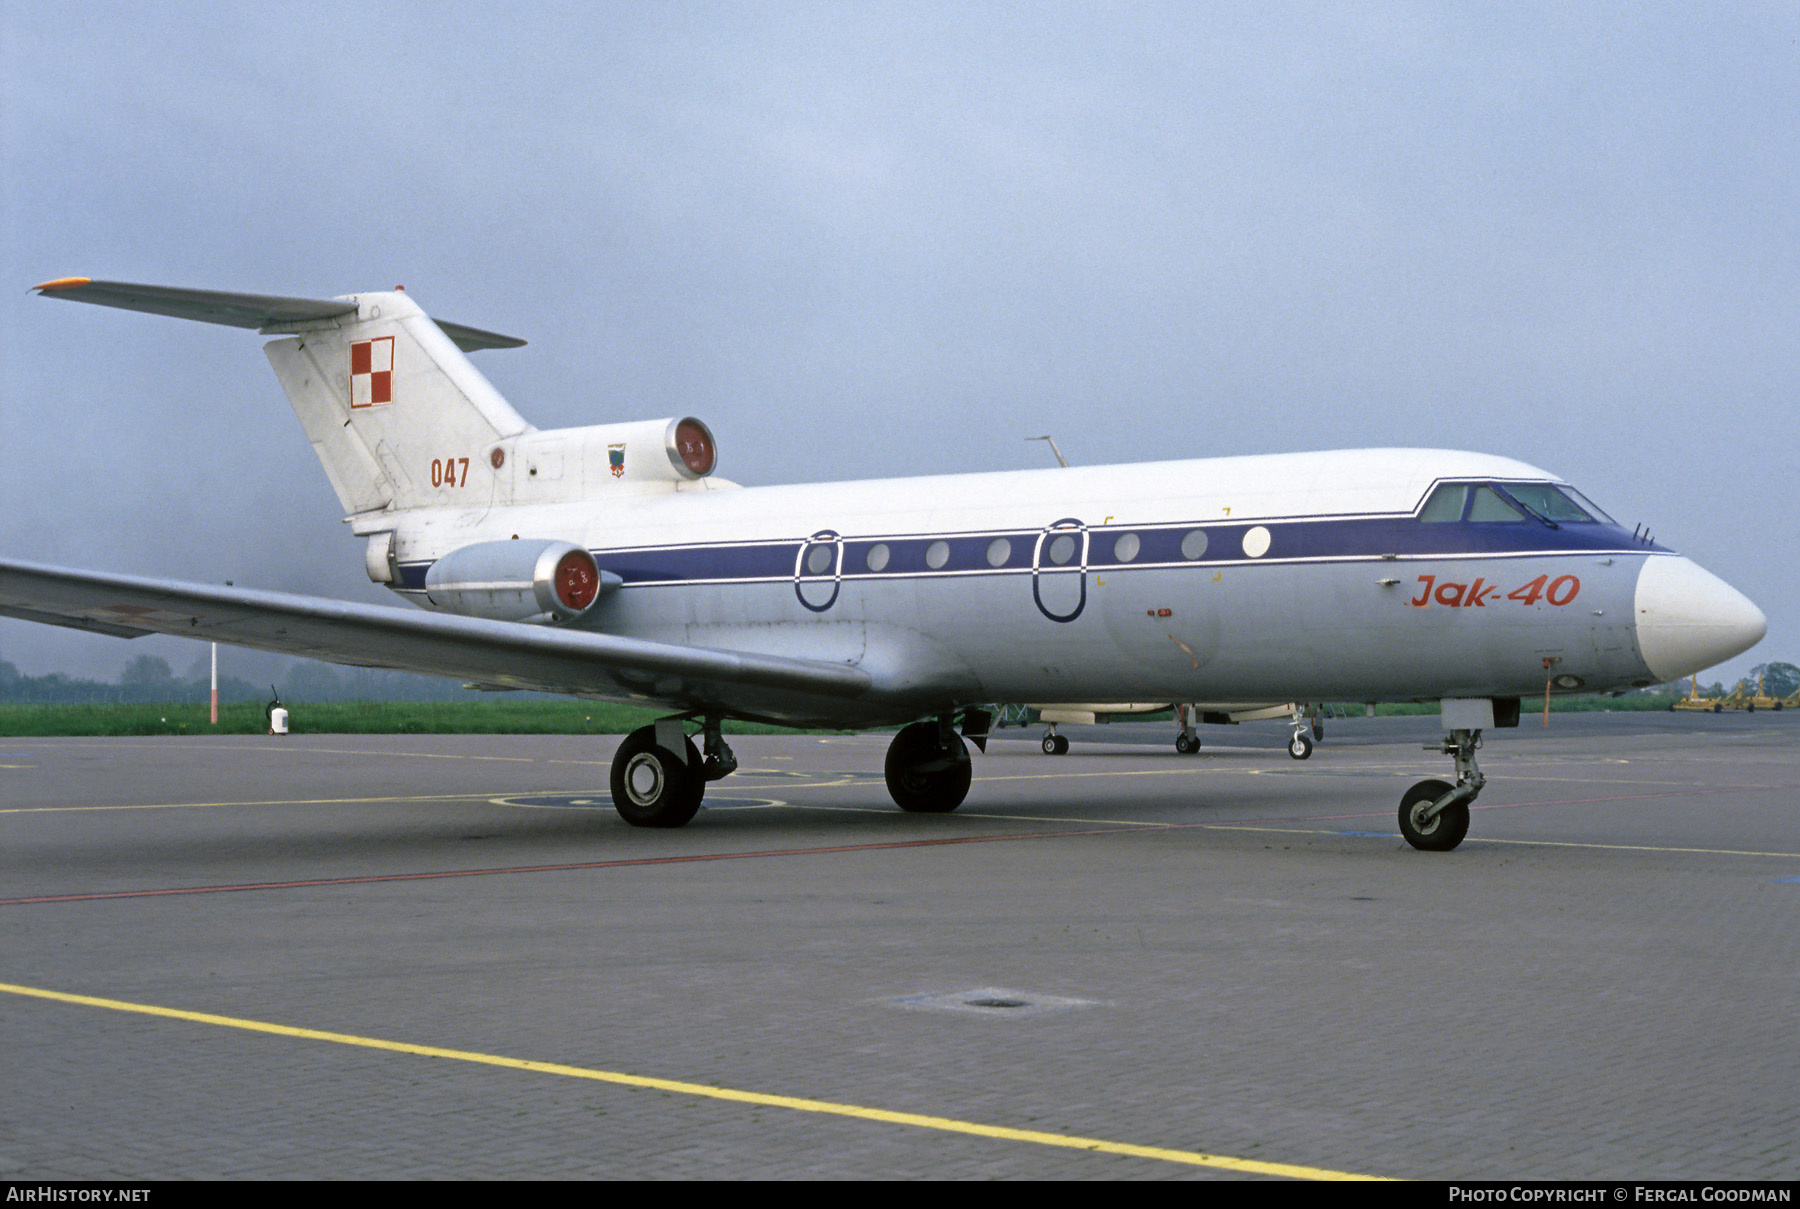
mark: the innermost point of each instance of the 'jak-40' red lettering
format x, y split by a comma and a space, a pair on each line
1560, 591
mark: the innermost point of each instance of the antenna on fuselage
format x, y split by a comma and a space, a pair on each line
1060, 459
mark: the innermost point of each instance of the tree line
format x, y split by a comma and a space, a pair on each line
149, 679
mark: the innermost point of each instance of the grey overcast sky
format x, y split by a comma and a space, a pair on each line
871, 239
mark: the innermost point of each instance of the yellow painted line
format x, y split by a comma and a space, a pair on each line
795, 1103
436, 797
309, 751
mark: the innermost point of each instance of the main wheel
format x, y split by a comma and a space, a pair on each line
1185, 745
925, 778
1440, 834
1300, 746
653, 786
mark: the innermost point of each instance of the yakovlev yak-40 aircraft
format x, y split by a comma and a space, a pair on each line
608, 562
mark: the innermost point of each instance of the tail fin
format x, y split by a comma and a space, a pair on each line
397, 415
392, 407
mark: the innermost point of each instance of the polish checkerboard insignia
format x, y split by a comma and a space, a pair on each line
372, 372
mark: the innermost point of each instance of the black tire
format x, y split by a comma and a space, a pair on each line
1186, 746
1300, 745
1442, 833
1049, 745
1062, 745
938, 790
654, 787
1318, 730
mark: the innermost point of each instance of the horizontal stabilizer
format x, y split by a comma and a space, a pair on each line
258, 311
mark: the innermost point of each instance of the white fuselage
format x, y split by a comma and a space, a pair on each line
1282, 577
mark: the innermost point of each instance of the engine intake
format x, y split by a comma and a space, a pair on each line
536, 581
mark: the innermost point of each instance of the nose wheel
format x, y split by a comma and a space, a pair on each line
1434, 815
1055, 744
1429, 832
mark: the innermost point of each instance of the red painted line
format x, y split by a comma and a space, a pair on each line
620, 864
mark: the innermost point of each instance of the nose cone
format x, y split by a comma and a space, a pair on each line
1689, 619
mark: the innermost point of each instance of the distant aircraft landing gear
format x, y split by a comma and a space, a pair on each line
1300, 742
1434, 815
1186, 742
1055, 744
928, 768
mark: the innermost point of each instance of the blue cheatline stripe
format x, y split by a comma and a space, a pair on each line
1158, 547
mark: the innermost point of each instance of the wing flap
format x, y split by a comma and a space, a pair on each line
497, 653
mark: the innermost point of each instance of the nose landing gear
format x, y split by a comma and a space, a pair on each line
1434, 815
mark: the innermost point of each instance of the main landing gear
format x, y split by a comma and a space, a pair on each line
928, 767
659, 777
1434, 815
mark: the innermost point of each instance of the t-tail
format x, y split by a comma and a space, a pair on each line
392, 406
401, 420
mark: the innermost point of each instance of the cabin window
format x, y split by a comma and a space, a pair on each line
937, 554
1062, 549
1194, 544
998, 552
818, 559
1487, 506
877, 558
1126, 548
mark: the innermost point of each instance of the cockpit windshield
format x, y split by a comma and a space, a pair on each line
1560, 504
1480, 502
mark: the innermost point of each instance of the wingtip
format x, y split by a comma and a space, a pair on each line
62, 283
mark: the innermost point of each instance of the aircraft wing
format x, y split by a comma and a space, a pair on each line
492, 653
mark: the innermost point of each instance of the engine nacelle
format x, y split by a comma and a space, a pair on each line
560, 464
536, 581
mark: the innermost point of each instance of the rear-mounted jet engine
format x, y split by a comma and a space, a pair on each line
535, 581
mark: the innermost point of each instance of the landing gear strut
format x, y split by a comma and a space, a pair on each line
928, 768
658, 777
1434, 815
